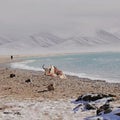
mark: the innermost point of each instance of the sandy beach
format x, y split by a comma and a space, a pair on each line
26, 96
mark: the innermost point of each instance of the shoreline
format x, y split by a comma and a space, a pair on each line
5, 62
55, 54
80, 75
69, 74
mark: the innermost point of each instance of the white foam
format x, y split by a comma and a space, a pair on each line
95, 77
23, 65
83, 75
76, 74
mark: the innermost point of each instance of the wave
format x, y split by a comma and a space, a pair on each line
83, 75
92, 77
23, 65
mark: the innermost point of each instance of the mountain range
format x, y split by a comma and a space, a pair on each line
49, 43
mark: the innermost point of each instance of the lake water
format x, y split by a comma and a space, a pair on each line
104, 66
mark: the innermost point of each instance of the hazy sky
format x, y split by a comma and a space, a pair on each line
64, 17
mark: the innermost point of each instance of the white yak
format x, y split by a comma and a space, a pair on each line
54, 71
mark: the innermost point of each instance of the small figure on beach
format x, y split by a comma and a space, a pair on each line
11, 57
53, 71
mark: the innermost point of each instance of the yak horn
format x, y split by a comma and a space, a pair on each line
43, 66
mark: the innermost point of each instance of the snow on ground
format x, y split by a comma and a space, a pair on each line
47, 110
110, 116
41, 110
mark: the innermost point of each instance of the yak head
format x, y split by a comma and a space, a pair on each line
47, 70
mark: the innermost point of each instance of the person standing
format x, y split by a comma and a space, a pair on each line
11, 57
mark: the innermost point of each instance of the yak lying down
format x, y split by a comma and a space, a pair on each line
53, 71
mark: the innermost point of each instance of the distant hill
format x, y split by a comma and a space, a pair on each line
48, 43
4, 40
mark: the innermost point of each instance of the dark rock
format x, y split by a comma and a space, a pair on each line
105, 106
28, 80
50, 87
7, 112
7, 88
98, 119
111, 95
92, 97
105, 109
89, 107
118, 114
108, 111
12, 75
77, 107
99, 111
112, 99
17, 113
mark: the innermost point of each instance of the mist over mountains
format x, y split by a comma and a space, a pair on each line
44, 43
65, 26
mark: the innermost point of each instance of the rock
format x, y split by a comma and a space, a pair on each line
108, 111
118, 114
89, 107
98, 119
28, 80
12, 75
7, 88
17, 113
110, 95
77, 108
2, 108
50, 87
5, 107
92, 97
105, 106
104, 109
7, 112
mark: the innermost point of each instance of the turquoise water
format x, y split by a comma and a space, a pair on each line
105, 66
